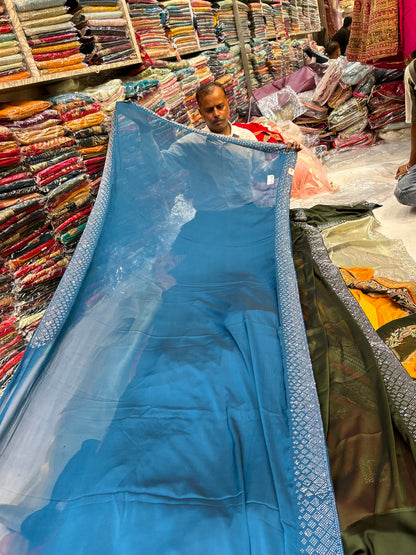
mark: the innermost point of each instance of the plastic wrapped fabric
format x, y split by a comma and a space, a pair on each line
13, 111
67, 26
365, 86
43, 13
209, 458
47, 21
58, 63
62, 99
70, 45
5, 134
281, 106
54, 55
79, 112
27, 137
89, 120
63, 69
390, 115
353, 73
348, 113
37, 148
340, 95
36, 119
39, 166
69, 36
329, 81
393, 89
27, 5
358, 140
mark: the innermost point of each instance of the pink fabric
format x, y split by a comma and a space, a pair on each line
409, 26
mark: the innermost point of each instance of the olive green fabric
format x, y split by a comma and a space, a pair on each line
372, 464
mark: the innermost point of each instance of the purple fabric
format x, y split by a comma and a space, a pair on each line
301, 80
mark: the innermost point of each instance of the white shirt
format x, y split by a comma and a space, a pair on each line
236, 132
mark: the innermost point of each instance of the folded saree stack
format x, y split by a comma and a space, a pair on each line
260, 53
226, 23
12, 62
202, 70
387, 106
171, 93
204, 16
230, 58
104, 32
268, 15
257, 22
179, 26
278, 18
146, 93
145, 17
189, 82
51, 34
221, 76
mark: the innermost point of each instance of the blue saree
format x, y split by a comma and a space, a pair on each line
166, 403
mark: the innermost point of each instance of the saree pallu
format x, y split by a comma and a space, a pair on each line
377, 33
367, 404
171, 369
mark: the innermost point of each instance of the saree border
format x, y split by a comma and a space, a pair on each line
319, 527
400, 388
317, 518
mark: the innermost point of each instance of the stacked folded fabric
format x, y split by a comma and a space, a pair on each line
294, 17
189, 82
214, 64
12, 63
64, 175
268, 14
252, 75
230, 59
179, 26
287, 21
387, 106
51, 34
202, 71
257, 22
279, 64
314, 20
104, 32
204, 15
229, 85
279, 22
145, 17
12, 348
171, 93
259, 62
226, 28
146, 93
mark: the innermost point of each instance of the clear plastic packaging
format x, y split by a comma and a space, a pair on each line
282, 105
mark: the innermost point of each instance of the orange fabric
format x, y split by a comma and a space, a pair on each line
379, 308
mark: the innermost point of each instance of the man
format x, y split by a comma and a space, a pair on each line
342, 36
215, 111
406, 187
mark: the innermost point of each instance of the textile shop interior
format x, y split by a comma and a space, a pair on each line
117, 225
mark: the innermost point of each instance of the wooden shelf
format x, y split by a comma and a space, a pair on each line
90, 70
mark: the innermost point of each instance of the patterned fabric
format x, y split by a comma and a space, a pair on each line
375, 33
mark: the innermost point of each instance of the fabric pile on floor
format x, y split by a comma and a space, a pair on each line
52, 35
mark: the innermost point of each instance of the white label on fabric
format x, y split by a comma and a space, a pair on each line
270, 179
291, 171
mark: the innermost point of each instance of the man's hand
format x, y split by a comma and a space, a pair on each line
401, 171
293, 145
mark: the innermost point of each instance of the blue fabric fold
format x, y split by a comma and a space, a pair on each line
166, 402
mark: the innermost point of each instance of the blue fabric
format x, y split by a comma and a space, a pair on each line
166, 403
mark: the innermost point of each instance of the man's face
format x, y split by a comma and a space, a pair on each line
215, 111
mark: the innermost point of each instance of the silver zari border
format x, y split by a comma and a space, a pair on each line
317, 514
400, 388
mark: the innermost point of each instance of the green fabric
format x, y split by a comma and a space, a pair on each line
372, 464
322, 214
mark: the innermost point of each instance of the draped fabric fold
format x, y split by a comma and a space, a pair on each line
367, 401
166, 403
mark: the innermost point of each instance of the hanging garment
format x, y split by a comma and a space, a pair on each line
166, 398
376, 36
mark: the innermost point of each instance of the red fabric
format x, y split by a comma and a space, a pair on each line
261, 132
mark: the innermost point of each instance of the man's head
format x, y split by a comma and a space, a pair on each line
213, 107
333, 50
347, 22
